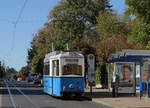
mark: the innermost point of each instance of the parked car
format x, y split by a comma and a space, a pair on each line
31, 77
21, 78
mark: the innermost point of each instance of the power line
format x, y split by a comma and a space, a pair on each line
13, 37
16, 22
22, 9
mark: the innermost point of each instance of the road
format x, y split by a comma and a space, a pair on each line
15, 94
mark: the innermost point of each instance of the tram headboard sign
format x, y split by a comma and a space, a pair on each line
91, 68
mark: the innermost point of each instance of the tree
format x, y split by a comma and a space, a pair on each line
23, 72
109, 24
116, 43
77, 16
140, 31
113, 33
106, 48
2, 69
69, 22
139, 8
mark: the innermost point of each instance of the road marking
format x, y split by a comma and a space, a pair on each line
28, 98
11, 98
0, 98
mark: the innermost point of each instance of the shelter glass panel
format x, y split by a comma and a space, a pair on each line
137, 74
125, 74
110, 74
146, 69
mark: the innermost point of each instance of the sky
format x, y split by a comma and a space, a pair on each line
13, 49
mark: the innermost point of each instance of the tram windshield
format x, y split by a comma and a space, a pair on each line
72, 69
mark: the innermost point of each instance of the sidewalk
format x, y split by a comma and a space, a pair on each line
126, 101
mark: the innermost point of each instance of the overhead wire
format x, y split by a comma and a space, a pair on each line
15, 24
21, 11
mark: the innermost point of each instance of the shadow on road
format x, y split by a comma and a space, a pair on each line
74, 98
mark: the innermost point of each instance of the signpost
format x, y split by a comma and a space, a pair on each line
91, 70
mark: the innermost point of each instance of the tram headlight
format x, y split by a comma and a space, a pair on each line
64, 88
79, 88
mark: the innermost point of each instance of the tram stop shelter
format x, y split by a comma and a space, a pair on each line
132, 68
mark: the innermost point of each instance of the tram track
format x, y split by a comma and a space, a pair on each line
12, 98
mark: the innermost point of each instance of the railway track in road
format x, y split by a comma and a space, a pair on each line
25, 99
23, 95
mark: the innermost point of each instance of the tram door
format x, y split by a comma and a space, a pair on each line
46, 79
55, 74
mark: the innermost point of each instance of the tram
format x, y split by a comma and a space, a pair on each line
63, 74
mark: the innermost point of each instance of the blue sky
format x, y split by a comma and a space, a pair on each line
36, 11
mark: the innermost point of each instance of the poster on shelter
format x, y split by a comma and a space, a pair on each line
125, 72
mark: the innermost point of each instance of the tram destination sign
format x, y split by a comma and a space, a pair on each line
91, 68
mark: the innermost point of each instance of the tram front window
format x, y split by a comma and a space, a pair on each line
72, 69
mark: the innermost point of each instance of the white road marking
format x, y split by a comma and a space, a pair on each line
0, 98
11, 98
28, 98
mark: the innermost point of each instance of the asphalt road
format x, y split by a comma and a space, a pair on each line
15, 94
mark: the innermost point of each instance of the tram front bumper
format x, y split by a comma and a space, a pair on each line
72, 94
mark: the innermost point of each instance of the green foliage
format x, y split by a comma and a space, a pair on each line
69, 22
98, 75
2, 70
109, 24
140, 31
6, 71
23, 72
139, 8
77, 16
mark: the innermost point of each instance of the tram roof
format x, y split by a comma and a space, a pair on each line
129, 55
62, 54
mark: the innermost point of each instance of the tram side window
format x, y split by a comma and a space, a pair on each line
56, 67
46, 68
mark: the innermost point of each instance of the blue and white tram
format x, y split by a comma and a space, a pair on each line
64, 74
